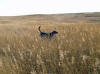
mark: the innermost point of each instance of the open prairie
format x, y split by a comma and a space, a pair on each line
74, 50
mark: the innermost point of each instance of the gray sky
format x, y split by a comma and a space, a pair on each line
25, 7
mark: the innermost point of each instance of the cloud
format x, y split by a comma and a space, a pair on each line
21, 7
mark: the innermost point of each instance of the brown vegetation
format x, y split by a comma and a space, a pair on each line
75, 50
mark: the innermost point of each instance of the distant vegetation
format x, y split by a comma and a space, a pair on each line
52, 18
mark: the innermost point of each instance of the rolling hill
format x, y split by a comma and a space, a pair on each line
53, 18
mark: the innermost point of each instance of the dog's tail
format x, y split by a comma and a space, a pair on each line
39, 28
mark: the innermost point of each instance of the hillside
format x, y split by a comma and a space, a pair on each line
53, 18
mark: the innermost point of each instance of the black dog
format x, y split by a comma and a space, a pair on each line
47, 35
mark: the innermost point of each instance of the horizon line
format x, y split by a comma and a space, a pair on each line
48, 14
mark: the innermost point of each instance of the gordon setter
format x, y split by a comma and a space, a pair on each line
47, 35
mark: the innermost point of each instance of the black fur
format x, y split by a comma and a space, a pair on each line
47, 35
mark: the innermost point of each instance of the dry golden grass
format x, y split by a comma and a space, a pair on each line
75, 50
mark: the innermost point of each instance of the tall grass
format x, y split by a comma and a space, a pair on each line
75, 50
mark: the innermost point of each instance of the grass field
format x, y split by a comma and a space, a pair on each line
74, 50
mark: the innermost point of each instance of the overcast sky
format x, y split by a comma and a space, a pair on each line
25, 7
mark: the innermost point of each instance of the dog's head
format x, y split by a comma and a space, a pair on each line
54, 32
